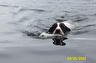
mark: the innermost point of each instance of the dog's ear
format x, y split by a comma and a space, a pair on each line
64, 28
52, 28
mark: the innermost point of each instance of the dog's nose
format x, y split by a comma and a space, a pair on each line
57, 31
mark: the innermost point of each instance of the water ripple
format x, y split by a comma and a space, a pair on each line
29, 9
5, 5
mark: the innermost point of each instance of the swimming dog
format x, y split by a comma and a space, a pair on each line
62, 29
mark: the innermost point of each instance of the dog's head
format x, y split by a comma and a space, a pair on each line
59, 28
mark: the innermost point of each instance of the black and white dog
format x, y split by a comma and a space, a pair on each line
62, 29
58, 32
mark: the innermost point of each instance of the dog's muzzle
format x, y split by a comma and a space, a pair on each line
58, 31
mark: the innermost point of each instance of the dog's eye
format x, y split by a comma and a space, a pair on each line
42, 35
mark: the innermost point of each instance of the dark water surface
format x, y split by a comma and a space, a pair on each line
22, 20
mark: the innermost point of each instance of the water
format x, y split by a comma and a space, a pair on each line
21, 21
